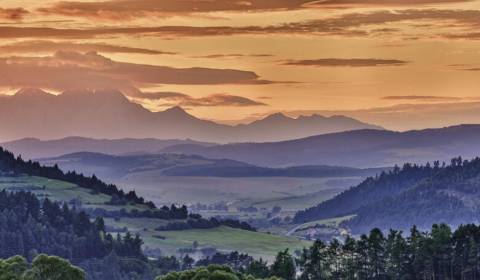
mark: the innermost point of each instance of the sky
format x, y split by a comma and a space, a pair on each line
403, 64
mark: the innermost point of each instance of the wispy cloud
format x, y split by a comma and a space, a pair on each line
349, 62
131, 9
181, 99
350, 24
14, 14
421, 98
52, 46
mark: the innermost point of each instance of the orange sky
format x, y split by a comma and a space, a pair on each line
283, 55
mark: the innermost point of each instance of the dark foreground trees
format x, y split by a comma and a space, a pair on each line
43, 267
438, 254
441, 254
211, 272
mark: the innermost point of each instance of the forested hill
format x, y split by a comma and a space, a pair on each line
412, 195
16, 165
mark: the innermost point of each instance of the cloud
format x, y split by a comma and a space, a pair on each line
422, 98
14, 14
351, 62
350, 24
72, 70
52, 46
232, 55
348, 3
129, 9
181, 99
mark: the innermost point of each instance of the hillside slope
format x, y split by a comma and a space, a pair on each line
414, 195
128, 212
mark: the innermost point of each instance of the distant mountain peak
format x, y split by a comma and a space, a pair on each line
277, 116
176, 111
31, 92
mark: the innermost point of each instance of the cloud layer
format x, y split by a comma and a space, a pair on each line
52, 46
181, 99
350, 24
72, 70
421, 98
351, 62
131, 9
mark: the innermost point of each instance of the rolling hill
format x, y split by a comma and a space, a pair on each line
114, 167
109, 114
359, 148
35, 148
136, 216
414, 195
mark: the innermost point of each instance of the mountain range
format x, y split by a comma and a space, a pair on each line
109, 114
359, 148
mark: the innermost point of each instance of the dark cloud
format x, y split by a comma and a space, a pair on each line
14, 14
52, 46
351, 62
72, 70
422, 98
181, 99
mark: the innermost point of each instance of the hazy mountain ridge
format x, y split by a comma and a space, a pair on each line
109, 114
34, 148
359, 148
114, 167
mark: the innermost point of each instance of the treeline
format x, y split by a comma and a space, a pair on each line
165, 213
439, 254
29, 227
211, 272
200, 223
42, 267
18, 166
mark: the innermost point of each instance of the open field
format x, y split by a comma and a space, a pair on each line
56, 190
223, 238
292, 193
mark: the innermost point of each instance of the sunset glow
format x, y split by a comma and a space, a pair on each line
239, 60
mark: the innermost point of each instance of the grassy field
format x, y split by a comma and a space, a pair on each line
292, 193
223, 238
53, 189
60, 191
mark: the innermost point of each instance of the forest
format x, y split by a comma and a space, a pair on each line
437, 254
407, 196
